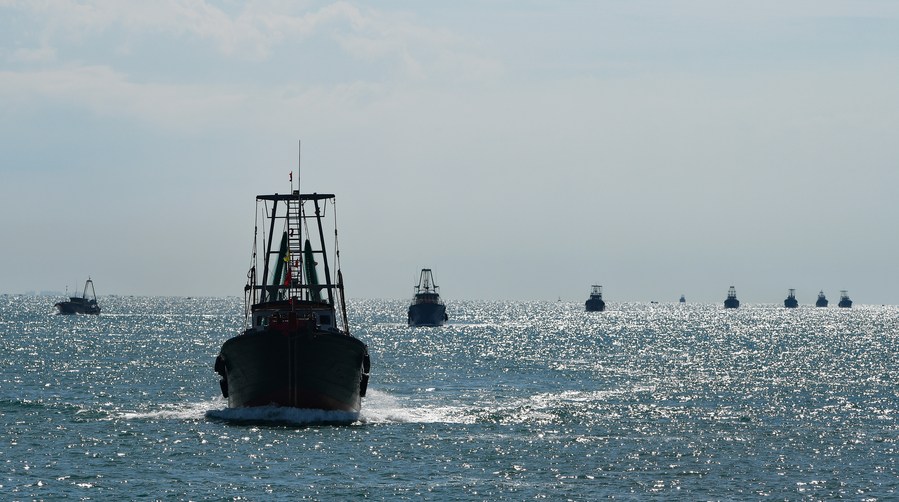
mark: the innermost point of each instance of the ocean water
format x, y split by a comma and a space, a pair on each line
509, 401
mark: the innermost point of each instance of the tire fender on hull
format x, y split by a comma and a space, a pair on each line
221, 369
366, 368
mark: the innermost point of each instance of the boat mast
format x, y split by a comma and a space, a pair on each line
93, 291
321, 238
299, 165
299, 223
300, 214
266, 294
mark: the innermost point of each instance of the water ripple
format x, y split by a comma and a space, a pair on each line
508, 401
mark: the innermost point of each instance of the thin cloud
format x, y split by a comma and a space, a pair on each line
255, 31
182, 101
37, 55
106, 92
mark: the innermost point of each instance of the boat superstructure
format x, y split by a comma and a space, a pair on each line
427, 309
82, 304
731, 301
296, 349
595, 302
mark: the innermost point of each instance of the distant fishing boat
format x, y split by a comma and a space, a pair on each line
427, 309
293, 352
82, 304
731, 301
683, 299
791, 302
595, 303
845, 302
822, 300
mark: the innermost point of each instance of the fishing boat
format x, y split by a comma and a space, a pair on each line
791, 302
296, 349
731, 301
595, 303
683, 299
80, 304
427, 309
822, 300
845, 302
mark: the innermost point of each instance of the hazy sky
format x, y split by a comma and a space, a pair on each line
521, 149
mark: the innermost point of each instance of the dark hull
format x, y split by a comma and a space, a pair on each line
791, 303
301, 369
821, 303
427, 314
595, 305
845, 304
731, 303
69, 308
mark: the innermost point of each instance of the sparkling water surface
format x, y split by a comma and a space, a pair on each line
509, 401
